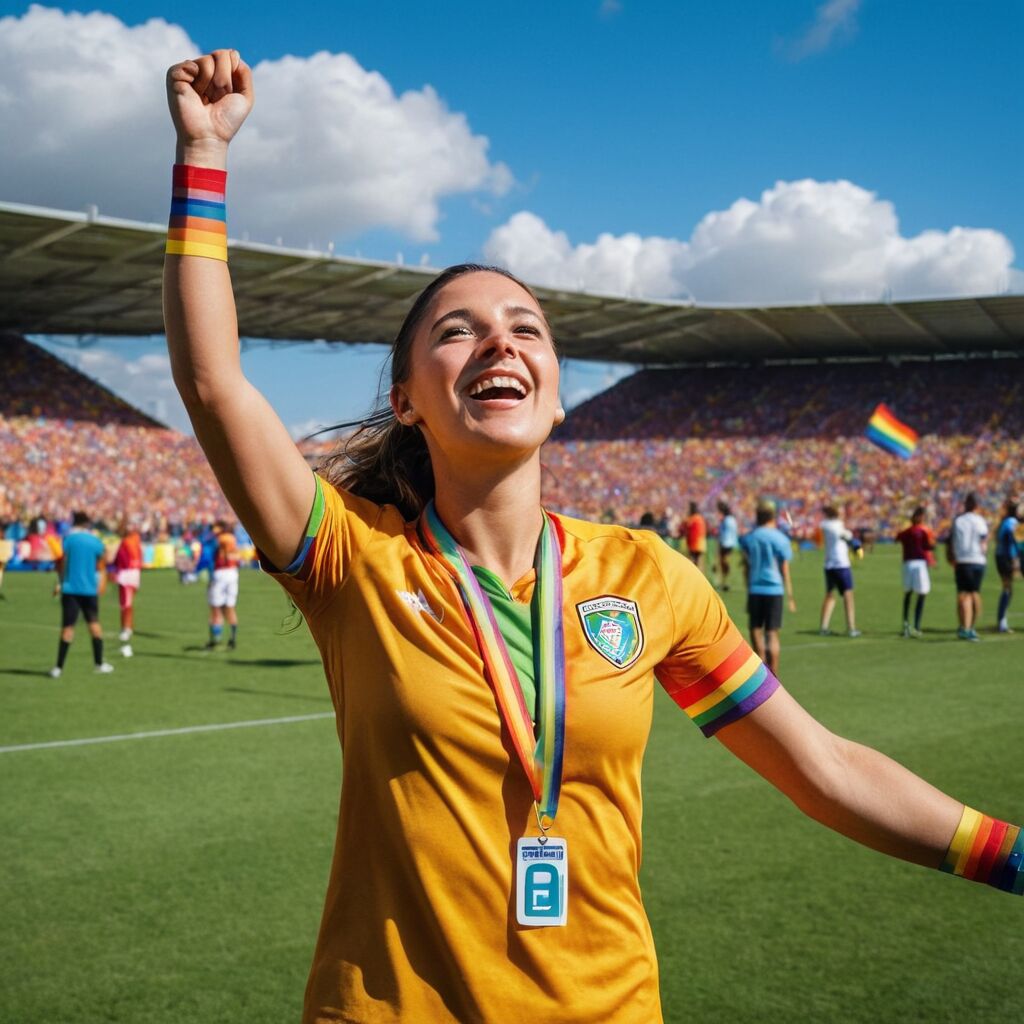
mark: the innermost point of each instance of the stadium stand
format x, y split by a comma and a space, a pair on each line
795, 433
654, 442
67, 442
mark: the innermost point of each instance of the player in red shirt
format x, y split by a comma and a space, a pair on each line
918, 543
128, 575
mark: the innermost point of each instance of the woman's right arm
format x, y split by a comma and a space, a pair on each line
259, 468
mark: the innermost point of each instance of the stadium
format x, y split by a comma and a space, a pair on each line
727, 403
754, 300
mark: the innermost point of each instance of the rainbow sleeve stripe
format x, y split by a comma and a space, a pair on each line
739, 683
987, 850
198, 222
890, 434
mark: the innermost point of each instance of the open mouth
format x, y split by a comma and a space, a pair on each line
492, 388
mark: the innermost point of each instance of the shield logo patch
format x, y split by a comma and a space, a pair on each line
612, 627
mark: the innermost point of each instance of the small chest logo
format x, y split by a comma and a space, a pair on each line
418, 603
612, 627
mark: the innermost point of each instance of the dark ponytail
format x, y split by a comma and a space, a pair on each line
384, 460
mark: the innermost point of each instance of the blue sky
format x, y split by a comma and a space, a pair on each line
618, 146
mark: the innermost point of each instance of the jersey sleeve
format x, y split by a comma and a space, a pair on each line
710, 670
339, 525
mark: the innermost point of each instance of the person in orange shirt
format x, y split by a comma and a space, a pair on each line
695, 530
491, 663
222, 593
128, 576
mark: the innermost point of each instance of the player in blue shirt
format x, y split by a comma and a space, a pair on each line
80, 572
1007, 557
766, 554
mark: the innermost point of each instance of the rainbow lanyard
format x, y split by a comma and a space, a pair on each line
540, 755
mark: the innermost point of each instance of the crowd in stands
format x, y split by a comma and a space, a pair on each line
653, 443
662, 438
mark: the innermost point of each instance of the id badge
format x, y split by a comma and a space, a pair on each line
542, 882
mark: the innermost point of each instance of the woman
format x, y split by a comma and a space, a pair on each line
491, 664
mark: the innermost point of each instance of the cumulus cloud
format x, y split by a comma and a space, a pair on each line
330, 150
137, 370
802, 241
833, 20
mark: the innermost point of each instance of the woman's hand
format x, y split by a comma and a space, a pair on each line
209, 98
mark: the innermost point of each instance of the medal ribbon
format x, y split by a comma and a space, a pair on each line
540, 754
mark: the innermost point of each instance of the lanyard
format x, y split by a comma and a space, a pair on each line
540, 755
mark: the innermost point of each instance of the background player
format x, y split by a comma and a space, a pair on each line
695, 530
917, 541
766, 555
968, 543
1006, 561
128, 576
222, 593
838, 574
79, 580
728, 538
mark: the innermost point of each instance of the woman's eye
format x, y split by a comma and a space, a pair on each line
527, 329
453, 332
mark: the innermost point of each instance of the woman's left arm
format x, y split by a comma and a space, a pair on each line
849, 787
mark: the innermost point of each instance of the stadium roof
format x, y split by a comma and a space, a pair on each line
82, 273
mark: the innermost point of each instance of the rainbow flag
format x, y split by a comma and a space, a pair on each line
889, 433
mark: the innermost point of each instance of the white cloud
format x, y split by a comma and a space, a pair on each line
142, 380
833, 20
802, 241
330, 150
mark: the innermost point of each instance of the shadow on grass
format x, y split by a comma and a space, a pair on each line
325, 699
271, 662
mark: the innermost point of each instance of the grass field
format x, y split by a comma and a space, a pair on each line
178, 878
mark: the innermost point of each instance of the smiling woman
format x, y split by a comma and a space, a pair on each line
491, 663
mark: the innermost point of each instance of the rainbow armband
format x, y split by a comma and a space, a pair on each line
986, 850
198, 222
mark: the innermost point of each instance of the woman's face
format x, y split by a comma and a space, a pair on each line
483, 379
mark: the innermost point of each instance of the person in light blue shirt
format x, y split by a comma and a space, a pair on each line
766, 555
1007, 558
79, 579
728, 538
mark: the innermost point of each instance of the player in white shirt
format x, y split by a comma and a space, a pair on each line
838, 574
968, 547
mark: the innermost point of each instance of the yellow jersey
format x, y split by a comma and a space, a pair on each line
419, 924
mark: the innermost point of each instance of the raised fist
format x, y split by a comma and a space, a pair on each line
209, 98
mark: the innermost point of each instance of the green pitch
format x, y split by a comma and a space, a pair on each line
178, 878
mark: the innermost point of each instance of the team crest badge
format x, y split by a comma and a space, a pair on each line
612, 627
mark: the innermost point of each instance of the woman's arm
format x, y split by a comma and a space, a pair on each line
256, 463
848, 787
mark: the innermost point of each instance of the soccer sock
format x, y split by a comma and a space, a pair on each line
216, 632
62, 652
234, 632
1004, 604
917, 611
906, 608
97, 649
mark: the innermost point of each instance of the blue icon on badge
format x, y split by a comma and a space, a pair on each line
543, 895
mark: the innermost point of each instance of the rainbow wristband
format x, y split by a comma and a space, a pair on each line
986, 850
198, 222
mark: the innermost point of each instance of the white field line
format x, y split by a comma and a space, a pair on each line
215, 727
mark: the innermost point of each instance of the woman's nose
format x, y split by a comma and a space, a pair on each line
497, 342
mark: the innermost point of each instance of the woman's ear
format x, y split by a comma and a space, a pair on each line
402, 407
559, 415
